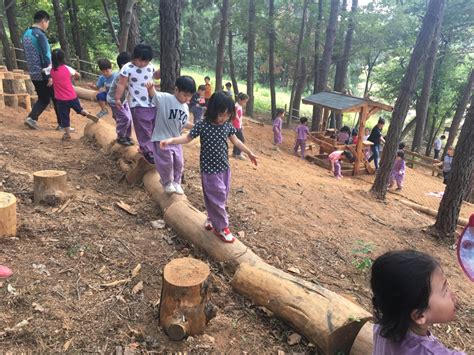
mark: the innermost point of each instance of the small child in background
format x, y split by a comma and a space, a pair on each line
172, 116
197, 104
401, 146
336, 158
398, 170
302, 132
344, 135
446, 164
66, 97
228, 90
133, 76
437, 145
214, 131
122, 116
366, 133
103, 85
277, 126
410, 294
208, 92
354, 138
237, 123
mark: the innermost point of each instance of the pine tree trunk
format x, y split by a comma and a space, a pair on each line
170, 55
10, 10
76, 34
317, 49
134, 31
343, 64
125, 22
407, 129
434, 14
297, 75
326, 59
460, 178
232, 66
58, 13
271, 55
424, 100
251, 57
110, 23
300, 85
461, 108
7, 49
221, 44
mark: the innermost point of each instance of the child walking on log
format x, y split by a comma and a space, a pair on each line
214, 131
122, 116
398, 170
336, 157
277, 126
66, 97
302, 132
237, 123
172, 116
134, 76
103, 85
410, 294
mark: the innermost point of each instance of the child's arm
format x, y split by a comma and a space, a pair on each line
151, 88
184, 139
332, 165
236, 141
189, 125
122, 84
76, 75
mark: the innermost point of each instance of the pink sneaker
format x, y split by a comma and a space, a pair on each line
5, 272
225, 235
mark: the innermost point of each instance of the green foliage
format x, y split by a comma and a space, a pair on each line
362, 260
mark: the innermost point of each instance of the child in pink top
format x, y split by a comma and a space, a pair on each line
64, 93
302, 132
237, 123
336, 157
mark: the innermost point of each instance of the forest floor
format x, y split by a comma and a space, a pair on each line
293, 214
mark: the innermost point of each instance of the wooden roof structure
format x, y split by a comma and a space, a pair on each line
339, 103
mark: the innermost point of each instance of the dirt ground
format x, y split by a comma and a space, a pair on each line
293, 213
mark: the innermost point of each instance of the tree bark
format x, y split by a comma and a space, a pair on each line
424, 100
10, 10
76, 33
326, 59
7, 49
251, 57
50, 186
125, 23
317, 45
232, 66
134, 31
59, 14
407, 129
460, 178
461, 108
271, 55
297, 76
7, 214
434, 14
300, 85
343, 63
170, 54
110, 23
221, 44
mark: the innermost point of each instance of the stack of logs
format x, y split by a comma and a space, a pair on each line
16, 89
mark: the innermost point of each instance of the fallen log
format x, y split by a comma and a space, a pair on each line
326, 311
85, 94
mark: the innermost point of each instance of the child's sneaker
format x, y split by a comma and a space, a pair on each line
169, 188
31, 123
130, 140
178, 188
101, 113
59, 128
123, 141
225, 235
208, 224
66, 137
149, 158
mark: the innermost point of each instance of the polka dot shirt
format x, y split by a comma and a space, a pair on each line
137, 78
214, 149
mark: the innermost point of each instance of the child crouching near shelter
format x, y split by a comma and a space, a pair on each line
214, 131
336, 158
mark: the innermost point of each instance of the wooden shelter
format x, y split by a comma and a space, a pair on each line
338, 103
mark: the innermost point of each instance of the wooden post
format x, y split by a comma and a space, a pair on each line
50, 186
7, 214
2, 97
325, 120
359, 156
11, 99
183, 308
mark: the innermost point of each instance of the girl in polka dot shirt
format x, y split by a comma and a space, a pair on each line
214, 131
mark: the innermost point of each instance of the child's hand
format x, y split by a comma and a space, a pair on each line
118, 104
164, 143
151, 88
253, 158
50, 82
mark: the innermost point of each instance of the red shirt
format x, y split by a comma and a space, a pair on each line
63, 89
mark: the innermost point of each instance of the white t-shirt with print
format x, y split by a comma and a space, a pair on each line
171, 116
137, 78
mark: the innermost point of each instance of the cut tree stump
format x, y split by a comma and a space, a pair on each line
7, 214
50, 186
184, 309
135, 175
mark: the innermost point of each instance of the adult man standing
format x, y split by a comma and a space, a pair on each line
38, 57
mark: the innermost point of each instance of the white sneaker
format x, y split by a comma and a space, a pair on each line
169, 188
31, 123
178, 189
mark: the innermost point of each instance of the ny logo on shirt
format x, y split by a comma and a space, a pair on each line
178, 114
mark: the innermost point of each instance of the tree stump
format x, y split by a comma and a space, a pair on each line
10, 87
7, 214
50, 186
184, 309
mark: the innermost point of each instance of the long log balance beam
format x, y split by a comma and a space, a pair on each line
328, 320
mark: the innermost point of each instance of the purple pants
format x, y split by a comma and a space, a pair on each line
300, 143
169, 162
277, 139
216, 189
123, 120
144, 122
337, 168
395, 176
